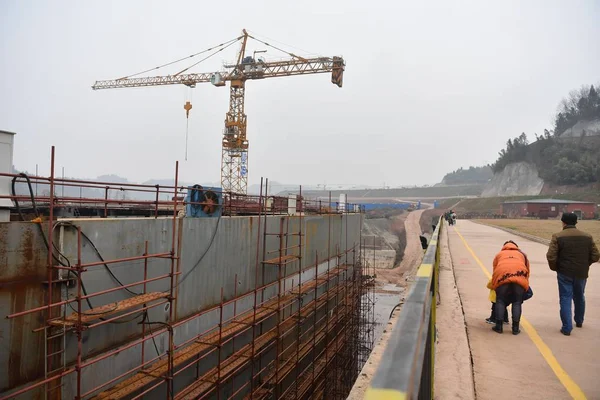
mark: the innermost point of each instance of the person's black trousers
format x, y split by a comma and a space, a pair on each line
493, 314
510, 293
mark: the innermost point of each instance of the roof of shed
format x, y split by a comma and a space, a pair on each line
547, 201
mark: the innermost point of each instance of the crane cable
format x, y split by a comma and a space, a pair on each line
187, 107
228, 43
207, 57
188, 104
277, 48
284, 44
187, 127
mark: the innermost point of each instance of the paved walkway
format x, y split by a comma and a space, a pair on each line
540, 363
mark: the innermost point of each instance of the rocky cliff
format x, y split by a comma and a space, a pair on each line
516, 179
582, 128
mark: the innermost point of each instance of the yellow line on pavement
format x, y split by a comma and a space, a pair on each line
564, 378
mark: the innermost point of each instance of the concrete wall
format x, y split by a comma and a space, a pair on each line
213, 252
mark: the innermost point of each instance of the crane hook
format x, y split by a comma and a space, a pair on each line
187, 107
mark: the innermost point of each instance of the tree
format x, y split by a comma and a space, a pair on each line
582, 103
593, 104
523, 141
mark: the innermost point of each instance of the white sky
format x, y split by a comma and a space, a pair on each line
429, 86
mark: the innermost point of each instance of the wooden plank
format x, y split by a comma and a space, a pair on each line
160, 368
282, 260
109, 309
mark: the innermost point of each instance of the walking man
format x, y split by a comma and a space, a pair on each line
570, 254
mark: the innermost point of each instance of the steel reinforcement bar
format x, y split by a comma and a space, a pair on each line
406, 368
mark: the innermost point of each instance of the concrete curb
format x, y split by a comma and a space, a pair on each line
514, 232
454, 378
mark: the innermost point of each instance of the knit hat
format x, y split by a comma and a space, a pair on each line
569, 218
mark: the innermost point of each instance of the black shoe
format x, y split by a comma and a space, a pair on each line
565, 332
491, 321
497, 328
579, 325
515, 329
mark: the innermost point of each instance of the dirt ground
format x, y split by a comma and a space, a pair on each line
429, 217
544, 228
412, 255
387, 237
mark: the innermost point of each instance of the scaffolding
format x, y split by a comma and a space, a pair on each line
306, 334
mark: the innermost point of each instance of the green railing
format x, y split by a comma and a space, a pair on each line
406, 368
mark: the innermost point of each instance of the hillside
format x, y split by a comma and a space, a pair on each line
470, 176
570, 154
563, 160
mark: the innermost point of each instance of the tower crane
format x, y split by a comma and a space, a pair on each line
234, 155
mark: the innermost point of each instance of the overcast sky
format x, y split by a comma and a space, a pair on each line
429, 86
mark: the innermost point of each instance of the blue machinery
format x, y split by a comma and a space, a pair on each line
406, 368
202, 202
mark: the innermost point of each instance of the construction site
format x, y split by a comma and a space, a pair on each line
264, 297
132, 291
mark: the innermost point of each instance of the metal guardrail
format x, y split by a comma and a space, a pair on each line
406, 368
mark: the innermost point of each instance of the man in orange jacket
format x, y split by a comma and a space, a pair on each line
510, 280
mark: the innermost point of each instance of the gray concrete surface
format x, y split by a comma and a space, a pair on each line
526, 366
453, 370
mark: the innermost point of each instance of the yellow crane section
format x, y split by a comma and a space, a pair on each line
234, 155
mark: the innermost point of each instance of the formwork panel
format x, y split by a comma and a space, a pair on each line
23, 273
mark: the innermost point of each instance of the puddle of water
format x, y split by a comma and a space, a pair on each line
392, 288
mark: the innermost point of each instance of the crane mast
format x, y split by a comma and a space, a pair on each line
234, 154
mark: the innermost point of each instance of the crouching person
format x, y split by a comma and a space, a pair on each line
510, 280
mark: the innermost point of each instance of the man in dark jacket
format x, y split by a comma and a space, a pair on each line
570, 254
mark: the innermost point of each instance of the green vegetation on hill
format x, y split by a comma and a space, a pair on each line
470, 176
563, 161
